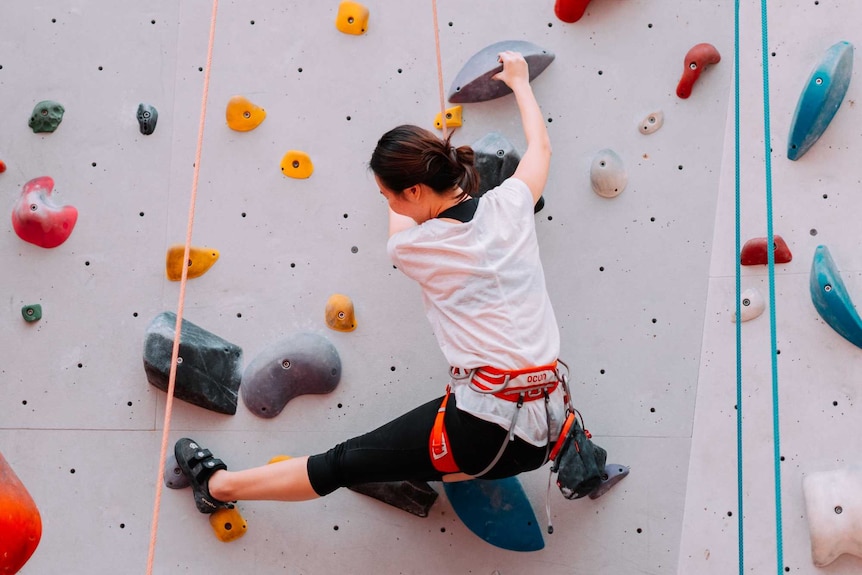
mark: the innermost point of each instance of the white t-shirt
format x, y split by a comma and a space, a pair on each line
484, 292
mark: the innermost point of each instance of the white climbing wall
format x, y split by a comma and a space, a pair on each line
642, 284
815, 202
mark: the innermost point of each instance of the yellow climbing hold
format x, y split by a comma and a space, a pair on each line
453, 118
278, 458
242, 115
200, 260
296, 164
339, 313
228, 524
352, 18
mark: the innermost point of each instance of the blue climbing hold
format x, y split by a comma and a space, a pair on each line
831, 299
820, 99
498, 511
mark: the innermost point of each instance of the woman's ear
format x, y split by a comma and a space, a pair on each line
413, 193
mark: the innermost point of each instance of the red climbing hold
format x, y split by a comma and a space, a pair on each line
570, 10
38, 219
754, 252
2, 166
696, 61
20, 522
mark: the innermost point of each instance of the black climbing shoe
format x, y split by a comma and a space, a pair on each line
198, 465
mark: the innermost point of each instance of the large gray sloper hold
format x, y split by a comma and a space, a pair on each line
296, 365
209, 368
474, 84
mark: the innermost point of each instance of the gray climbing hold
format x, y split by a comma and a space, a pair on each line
474, 82
414, 497
296, 365
608, 174
147, 117
496, 160
614, 473
209, 368
174, 476
46, 116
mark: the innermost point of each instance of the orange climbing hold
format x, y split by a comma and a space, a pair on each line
242, 115
352, 18
228, 524
754, 252
200, 260
340, 315
453, 118
20, 522
296, 164
277, 458
696, 60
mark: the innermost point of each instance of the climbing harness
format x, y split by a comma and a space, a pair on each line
516, 386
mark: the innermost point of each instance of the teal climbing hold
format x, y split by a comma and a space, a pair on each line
831, 299
820, 99
32, 312
296, 365
474, 82
498, 511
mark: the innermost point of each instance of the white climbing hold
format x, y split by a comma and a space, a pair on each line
833, 504
751, 306
652, 122
607, 174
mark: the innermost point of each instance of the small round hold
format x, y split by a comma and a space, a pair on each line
297, 164
752, 305
32, 312
608, 174
651, 123
174, 476
340, 314
147, 116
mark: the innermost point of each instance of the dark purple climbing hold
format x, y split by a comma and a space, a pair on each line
209, 368
174, 476
496, 160
474, 82
147, 118
296, 365
414, 497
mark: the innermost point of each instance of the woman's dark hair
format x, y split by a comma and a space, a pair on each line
409, 155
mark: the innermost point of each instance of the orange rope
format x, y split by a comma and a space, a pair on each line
439, 70
181, 304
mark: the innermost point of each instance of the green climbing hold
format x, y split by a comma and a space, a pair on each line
32, 313
46, 116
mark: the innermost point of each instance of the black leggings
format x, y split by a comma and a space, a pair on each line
399, 451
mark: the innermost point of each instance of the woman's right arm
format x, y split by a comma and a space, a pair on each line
536, 161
